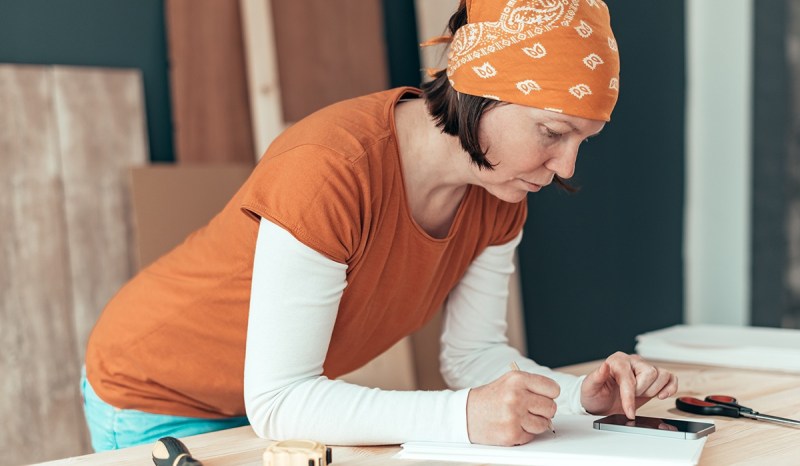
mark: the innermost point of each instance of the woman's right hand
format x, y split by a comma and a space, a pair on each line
512, 410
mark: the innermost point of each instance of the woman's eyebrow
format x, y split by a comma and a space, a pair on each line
575, 128
568, 123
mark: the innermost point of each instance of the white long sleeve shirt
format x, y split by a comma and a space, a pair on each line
294, 302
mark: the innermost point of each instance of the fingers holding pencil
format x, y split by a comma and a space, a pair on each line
515, 367
512, 410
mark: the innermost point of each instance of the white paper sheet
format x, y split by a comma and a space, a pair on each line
576, 442
728, 346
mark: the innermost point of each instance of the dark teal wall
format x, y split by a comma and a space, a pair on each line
603, 265
102, 33
774, 147
402, 48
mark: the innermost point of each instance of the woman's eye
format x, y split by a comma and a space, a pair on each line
553, 134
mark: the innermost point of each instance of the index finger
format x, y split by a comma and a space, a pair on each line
542, 385
623, 374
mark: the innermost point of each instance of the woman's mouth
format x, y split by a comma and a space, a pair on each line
532, 187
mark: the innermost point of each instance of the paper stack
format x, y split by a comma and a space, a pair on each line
576, 443
741, 347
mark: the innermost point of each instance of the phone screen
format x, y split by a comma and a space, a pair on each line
655, 426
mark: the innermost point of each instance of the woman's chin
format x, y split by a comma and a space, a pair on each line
511, 196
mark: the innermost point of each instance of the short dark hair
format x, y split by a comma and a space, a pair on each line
460, 114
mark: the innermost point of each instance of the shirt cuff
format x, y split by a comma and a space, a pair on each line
458, 421
573, 397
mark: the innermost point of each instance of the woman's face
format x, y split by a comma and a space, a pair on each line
528, 147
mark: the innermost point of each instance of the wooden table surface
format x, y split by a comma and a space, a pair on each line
736, 441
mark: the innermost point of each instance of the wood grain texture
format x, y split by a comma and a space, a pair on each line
327, 52
101, 126
210, 105
741, 442
39, 398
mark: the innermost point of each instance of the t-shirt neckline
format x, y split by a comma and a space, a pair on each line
454, 227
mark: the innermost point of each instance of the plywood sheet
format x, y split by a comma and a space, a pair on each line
101, 127
40, 403
210, 105
327, 52
171, 201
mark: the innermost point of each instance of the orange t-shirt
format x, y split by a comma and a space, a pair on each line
172, 341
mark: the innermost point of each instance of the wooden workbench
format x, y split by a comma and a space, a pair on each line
736, 441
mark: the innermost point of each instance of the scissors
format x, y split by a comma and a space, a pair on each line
724, 405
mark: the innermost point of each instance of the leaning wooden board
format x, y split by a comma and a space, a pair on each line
102, 134
736, 442
39, 385
67, 136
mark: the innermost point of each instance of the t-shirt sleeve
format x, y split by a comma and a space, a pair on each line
312, 192
509, 222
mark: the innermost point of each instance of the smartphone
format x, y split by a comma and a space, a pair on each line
662, 427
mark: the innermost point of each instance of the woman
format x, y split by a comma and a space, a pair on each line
360, 221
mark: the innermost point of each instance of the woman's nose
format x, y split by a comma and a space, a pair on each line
563, 164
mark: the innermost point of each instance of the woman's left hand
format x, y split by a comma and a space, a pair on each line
623, 383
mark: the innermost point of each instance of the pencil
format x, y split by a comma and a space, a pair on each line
515, 367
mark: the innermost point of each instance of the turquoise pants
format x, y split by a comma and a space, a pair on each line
113, 428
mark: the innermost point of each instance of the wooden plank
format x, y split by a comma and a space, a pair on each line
210, 108
40, 403
432, 18
101, 128
327, 52
266, 111
171, 201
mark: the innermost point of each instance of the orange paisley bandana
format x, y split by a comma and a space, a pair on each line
558, 55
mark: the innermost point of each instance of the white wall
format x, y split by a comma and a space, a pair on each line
718, 153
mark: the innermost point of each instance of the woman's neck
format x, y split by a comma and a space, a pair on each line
436, 170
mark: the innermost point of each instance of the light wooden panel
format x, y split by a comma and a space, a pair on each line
432, 18
327, 52
266, 110
210, 105
102, 133
40, 404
